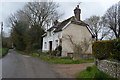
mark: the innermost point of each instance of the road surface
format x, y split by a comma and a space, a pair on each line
15, 65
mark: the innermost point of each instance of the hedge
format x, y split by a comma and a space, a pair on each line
116, 49
102, 49
106, 49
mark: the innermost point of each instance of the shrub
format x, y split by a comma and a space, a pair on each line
89, 68
36, 46
58, 50
4, 51
116, 49
102, 49
101, 76
54, 52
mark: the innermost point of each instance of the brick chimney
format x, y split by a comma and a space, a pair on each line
77, 12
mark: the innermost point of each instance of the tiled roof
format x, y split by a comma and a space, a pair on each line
62, 24
73, 20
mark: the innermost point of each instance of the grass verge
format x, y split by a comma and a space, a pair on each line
3, 51
93, 72
58, 60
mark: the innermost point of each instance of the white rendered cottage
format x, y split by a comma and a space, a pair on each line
72, 26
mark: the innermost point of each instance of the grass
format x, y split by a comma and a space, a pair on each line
70, 61
93, 72
3, 51
21, 52
58, 60
62, 60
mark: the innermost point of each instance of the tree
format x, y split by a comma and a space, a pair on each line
42, 13
29, 24
106, 33
17, 35
98, 26
33, 38
119, 18
93, 23
6, 42
112, 18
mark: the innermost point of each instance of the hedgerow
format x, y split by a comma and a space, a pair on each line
106, 49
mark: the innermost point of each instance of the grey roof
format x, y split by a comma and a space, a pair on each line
73, 20
62, 24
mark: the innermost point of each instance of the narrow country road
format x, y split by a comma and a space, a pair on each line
15, 65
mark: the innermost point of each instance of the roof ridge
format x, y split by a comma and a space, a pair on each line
62, 24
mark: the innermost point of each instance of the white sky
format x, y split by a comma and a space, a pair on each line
88, 8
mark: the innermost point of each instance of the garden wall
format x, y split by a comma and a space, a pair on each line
85, 56
110, 68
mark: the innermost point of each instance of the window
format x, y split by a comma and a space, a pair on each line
45, 45
50, 33
56, 41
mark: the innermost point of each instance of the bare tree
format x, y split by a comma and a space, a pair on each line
105, 32
42, 13
119, 18
97, 24
112, 18
93, 23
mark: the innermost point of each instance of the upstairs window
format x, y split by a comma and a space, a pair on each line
50, 33
56, 41
45, 45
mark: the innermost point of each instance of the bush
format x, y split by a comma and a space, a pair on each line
107, 49
89, 68
102, 76
58, 50
4, 51
116, 49
54, 52
102, 49
36, 46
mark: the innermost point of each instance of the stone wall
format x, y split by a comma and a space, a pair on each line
85, 56
110, 68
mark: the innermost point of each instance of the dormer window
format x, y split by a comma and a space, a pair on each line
50, 33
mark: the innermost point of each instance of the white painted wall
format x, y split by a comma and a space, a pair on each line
53, 38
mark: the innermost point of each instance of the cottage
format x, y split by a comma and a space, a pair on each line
74, 27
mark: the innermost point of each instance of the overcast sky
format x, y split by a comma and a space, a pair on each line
88, 8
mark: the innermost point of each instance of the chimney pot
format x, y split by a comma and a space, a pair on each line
55, 22
77, 12
78, 6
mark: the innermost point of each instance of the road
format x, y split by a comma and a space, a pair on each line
15, 65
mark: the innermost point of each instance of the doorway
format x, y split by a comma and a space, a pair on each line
50, 46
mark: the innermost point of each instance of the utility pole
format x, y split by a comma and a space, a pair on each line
1, 28
1, 25
1, 33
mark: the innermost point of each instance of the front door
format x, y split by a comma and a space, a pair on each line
50, 46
